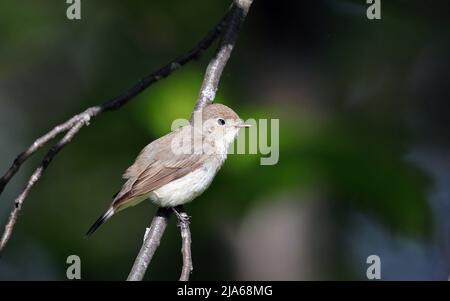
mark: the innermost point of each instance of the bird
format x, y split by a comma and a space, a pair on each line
179, 166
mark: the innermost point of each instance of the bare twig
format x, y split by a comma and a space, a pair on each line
151, 243
207, 94
33, 148
186, 251
34, 178
186, 241
217, 64
75, 123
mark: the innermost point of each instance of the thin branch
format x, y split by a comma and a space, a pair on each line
33, 179
186, 241
152, 239
75, 123
217, 64
151, 243
207, 94
40, 142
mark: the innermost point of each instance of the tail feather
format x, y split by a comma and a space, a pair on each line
100, 221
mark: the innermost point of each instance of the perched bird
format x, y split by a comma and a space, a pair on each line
179, 166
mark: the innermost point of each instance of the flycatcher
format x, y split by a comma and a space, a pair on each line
179, 166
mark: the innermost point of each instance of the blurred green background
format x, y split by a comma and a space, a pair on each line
364, 163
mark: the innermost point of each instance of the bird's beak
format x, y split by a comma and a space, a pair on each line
243, 125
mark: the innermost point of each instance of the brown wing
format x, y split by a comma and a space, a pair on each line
156, 166
159, 174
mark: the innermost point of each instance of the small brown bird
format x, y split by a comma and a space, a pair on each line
179, 166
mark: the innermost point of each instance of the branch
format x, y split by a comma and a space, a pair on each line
151, 243
186, 241
217, 64
34, 178
152, 239
207, 94
75, 123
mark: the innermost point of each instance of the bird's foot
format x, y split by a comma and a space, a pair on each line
183, 218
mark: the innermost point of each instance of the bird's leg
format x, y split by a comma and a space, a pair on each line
183, 218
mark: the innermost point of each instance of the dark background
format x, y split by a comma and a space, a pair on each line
364, 146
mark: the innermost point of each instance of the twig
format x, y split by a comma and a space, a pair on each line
151, 243
217, 64
75, 123
207, 94
186, 241
34, 178
33, 148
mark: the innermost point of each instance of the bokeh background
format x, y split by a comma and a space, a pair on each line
364, 162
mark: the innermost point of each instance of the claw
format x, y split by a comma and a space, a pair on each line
183, 218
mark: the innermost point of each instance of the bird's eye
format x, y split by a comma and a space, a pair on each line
220, 121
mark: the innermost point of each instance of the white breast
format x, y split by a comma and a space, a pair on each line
187, 188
